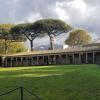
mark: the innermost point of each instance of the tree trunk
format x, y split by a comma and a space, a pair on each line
51, 43
31, 43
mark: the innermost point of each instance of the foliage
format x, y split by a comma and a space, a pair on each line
7, 36
52, 27
16, 47
21, 29
78, 37
5, 31
26, 30
12, 47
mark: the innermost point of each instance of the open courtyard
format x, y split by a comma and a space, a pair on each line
58, 82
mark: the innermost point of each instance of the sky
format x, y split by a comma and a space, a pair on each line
83, 14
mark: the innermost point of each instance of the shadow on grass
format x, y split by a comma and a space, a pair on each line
58, 83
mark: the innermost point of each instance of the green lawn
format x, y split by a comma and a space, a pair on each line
62, 82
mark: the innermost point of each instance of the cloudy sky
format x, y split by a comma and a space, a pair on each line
79, 13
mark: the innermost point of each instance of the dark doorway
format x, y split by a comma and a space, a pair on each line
0, 61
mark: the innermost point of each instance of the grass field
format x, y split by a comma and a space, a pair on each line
62, 82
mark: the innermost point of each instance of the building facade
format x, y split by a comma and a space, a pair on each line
82, 55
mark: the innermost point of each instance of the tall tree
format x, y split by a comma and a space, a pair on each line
7, 36
53, 28
26, 30
78, 37
5, 33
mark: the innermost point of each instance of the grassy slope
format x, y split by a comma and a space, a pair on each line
66, 82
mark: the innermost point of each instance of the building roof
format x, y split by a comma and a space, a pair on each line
92, 44
44, 52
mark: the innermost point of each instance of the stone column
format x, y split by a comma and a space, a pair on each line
86, 58
54, 59
3, 62
93, 57
31, 61
60, 59
49, 60
26, 61
22, 61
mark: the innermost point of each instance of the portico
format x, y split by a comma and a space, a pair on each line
51, 57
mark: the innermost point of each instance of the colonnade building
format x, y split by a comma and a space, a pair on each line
87, 54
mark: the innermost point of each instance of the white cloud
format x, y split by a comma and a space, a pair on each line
77, 9
61, 12
33, 17
80, 5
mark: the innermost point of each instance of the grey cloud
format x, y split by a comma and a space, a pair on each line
24, 8
4, 9
89, 22
14, 11
19, 10
92, 2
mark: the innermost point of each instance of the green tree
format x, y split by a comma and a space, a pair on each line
5, 33
16, 47
12, 47
53, 28
27, 30
78, 37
